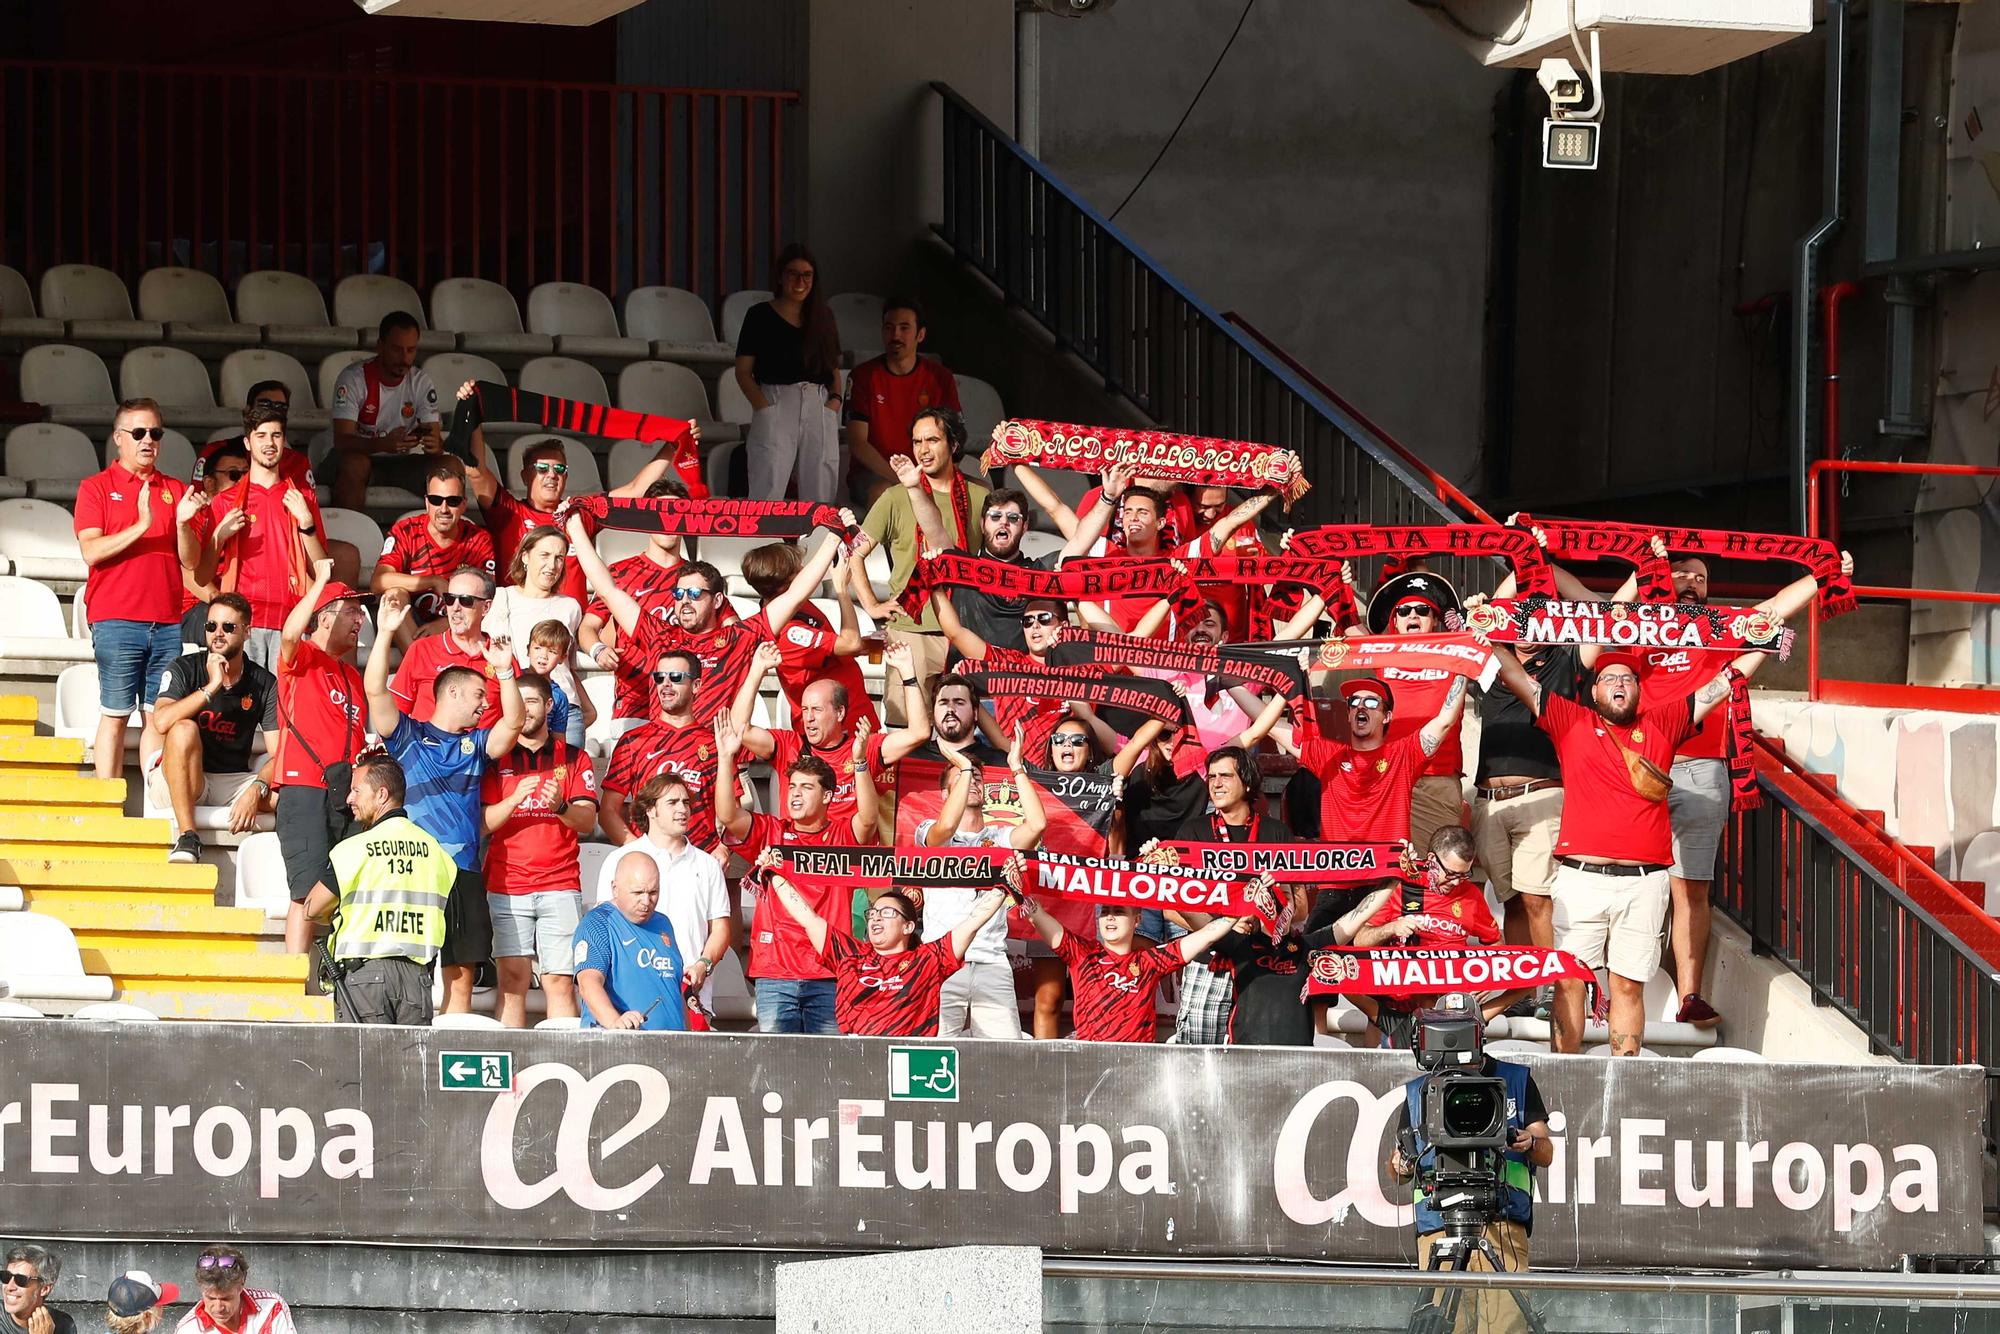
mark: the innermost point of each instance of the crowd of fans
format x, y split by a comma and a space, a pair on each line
437, 809
136, 1302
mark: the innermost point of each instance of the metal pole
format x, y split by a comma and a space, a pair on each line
1805, 287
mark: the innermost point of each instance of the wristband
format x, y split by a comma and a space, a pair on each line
861, 766
310, 530
507, 675
596, 649
910, 681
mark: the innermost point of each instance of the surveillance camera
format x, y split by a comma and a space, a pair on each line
1561, 82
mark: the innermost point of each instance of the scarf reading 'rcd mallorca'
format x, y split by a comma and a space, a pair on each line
1155, 454
1463, 655
492, 402
703, 518
1288, 863
1634, 542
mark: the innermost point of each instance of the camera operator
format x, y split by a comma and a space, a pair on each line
1488, 1310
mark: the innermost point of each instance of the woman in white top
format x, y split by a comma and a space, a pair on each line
528, 598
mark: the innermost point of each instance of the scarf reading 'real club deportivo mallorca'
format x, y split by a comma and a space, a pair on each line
492, 402
707, 517
1202, 460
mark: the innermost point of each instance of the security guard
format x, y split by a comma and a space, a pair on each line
394, 880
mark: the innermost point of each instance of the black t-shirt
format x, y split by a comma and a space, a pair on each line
1510, 742
1203, 828
996, 620
1269, 976
231, 721
64, 1323
1159, 812
778, 347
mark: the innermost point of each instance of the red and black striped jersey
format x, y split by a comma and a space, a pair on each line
411, 548
645, 579
658, 748
725, 654
879, 995
1114, 992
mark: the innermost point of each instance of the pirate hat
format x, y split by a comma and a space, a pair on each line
1416, 586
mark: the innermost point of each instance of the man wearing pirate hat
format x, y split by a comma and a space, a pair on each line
1422, 603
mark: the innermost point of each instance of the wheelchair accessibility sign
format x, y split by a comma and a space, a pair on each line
923, 1074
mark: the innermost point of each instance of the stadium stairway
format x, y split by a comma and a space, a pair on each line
145, 932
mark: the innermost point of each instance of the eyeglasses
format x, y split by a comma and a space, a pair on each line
10, 1279
691, 594
1005, 516
885, 914
215, 1262
232, 474
1038, 618
1364, 701
1069, 740
453, 501
1446, 879
153, 433
1617, 678
277, 403
226, 627
798, 275
463, 599
559, 469
675, 677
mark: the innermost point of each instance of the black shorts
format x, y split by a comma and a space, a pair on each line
309, 824
468, 925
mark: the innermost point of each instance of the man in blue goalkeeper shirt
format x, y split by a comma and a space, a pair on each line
628, 966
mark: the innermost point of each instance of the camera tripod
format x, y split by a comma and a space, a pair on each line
1438, 1312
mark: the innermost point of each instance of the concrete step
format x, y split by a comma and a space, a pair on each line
50, 881
100, 837
58, 794
196, 967
198, 1001
41, 754
110, 924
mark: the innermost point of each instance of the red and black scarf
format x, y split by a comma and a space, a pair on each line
1634, 543
503, 403
706, 517
1744, 794
1592, 541
1087, 581
1100, 690
1199, 460
1262, 666
1401, 542
1288, 863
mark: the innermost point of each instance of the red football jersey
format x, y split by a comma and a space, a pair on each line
657, 748
1450, 918
645, 580
725, 654
1115, 992
1604, 817
411, 548
260, 553
807, 645
779, 946
889, 403
1678, 672
790, 745
142, 582
880, 995
534, 851
319, 715
1364, 794
1420, 693
415, 682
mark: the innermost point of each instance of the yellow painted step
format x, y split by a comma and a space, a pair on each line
34, 872
153, 925
19, 709
106, 830
17, 729
242, 1006
225, 986
50, 754
194, 964
154, 855
47, 791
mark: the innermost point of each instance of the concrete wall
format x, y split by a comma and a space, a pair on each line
1333, 185
873, 166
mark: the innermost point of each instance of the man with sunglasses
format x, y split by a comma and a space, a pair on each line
673, 742
459, 642
385, 416
261, 537
211, 706
424, 550
650, 577
28, 1278
1366, 781
228, 1304
1419, 603
134, 530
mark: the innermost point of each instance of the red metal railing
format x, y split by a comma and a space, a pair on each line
329, 174
1876, 694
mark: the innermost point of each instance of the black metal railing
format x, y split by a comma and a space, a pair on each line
1154, 342
1863, 944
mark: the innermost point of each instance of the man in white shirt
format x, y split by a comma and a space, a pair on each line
385, 417
979, 999
692, 894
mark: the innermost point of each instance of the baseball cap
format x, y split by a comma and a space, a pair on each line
1624, 657
134, 1293
1368, 685
332, 593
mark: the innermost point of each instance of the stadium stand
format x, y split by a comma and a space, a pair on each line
193, 309
582, 322
676, 323
486, 319
291, 312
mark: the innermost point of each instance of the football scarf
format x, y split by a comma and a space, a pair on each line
1196, 459
1243, 664
1077, 581
1744, 794
1100, 690
503, 403
703, 518
1591, 541
1634, 542
1399, 543
854, 867
1401, 972
1144, 885
1288, 863
1462, 654
1533, 622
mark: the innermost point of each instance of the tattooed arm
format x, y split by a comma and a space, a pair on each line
1716, 690
1437, 729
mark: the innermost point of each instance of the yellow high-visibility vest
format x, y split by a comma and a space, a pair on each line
394, 880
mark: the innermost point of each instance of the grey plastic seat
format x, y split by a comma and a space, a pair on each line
581, 321
193, 309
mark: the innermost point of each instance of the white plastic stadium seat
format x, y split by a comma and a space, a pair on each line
357, 528
590, 867
1037, 545
449, 370
240, 370
734, 307
666, 389
95, 306
486, 319
858, 316
77, 709
566, 1021
176, 457
715, 465
614, 545
565, 377
16, 1010
730, 403
260, 875
1729, 1055
979, 403
40, 960
677, 324
583, 476
581, 321
627, 457
38, 539
290, 310
193, 309
71, 381
330, 367
600, 688
174, 378
19, 324
117, 1011
29, 610
360, 300
51, 458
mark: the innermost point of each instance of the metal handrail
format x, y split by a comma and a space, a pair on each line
1782, 1283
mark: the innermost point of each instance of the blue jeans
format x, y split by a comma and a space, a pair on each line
789, 1005
132, 659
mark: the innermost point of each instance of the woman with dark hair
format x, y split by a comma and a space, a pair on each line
788, 366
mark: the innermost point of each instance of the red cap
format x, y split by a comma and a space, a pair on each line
1371, 684
334, 593
1624, 657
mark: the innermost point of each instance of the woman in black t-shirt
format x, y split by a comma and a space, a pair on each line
788, 366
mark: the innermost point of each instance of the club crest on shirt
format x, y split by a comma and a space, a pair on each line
1638, 735
1381, 766
246, 702
465, 745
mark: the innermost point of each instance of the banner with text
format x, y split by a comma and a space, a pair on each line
534, 1140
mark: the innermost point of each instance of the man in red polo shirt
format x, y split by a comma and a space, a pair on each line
458, 643
888, 986
886, 393
261, 537
320, 730
674, 742
135, 529
424, 550
650, 577
539, 798
1613, 848
1366, 781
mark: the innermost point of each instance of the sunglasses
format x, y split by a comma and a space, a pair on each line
675, 677
232, 474
1005, 516
691, 594
153, 433
1038, 618
559, 469
270, 403
1364, 701
1414, 609
463, 599
13, 1280
227, 627
215, 1262
453, 501
1068, 740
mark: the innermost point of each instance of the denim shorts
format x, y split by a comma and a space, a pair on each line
538, 926
132, 660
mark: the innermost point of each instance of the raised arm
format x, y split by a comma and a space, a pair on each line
966, 641
1034, 820
756, 740
985, 906
867, 819
1226, 526
1051, 930
729, 813
1716, 690
847, 642
1199, 941
785, 605
624, 608
298, 622
931, 529
1044, 495
656, 467
1796, 596
1267, 718
1515, 677
899, 661
187, 542
1343, 929
506, 732
1439, 727
957, 796
1128, 757
383, 711
1084, 533
795, 903
1308, 613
